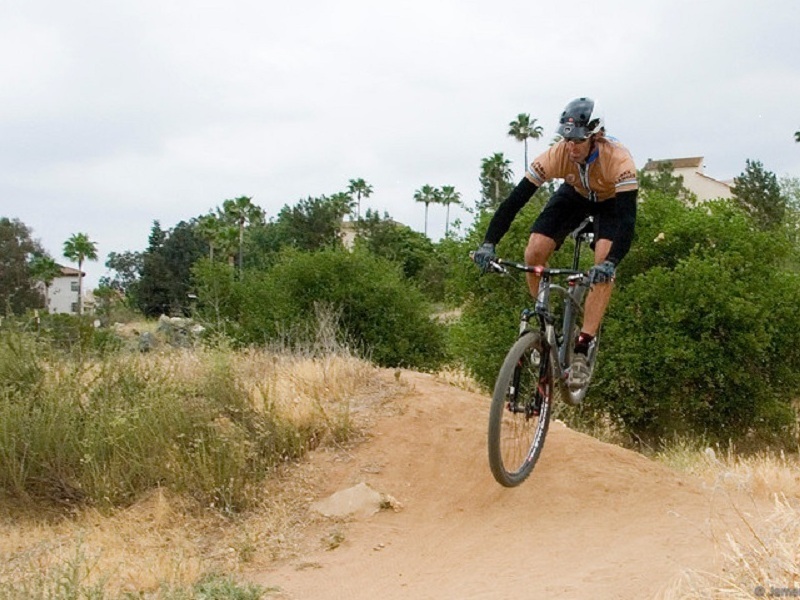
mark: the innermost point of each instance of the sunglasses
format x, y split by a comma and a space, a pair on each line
577, 141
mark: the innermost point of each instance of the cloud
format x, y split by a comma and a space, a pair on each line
116, 114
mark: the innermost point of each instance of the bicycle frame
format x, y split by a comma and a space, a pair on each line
535, 368
573, 296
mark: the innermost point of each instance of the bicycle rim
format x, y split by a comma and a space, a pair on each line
520, 411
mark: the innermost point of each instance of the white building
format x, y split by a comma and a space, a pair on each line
694, 179
62, 296
348, 232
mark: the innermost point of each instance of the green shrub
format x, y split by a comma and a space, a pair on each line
693, 350
702, 335
77, 334
380, 311
667, 231
21, 372
103, 433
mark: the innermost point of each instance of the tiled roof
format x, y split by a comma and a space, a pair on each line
677, 163
69, 271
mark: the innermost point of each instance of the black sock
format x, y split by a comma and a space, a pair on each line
582, 345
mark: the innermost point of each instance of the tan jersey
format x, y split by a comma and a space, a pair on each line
608, 170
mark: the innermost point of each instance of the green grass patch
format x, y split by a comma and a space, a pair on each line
102, 432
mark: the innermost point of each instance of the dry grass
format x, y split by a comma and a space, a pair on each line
164, 541
763, 475
458, 377
764, 561
761, 558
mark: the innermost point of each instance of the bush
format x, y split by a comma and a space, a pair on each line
693, 350
668, 231
702, 335
380, 311
103, 432
77, 334
21, 371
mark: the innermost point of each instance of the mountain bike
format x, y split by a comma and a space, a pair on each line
537, 365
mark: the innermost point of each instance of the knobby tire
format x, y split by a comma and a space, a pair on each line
516, 437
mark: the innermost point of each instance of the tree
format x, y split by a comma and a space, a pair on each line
157, 236
790, 190
166, 278
523, 128
79, 248
377, 310
396, 242
344, 199
663, 181
427, 195
312, 224
449, 196
496, 177
757, 191
240, 212
208, 228
127, 267
359, 188
220, 235
797, 136
16, 249
43, 268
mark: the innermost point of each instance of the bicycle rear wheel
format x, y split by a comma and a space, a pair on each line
520, 413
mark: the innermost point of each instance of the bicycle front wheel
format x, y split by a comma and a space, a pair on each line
520, 411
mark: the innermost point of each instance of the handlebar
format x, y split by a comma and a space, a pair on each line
539, 270
499, 266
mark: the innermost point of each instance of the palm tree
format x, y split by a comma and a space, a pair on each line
797, 136
77, 249
359, 188
208, 228
44, 269
495, 178
427, 194
343, 199
449, 196
523, 128
240, 212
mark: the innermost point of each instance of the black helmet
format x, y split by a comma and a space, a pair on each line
580, 119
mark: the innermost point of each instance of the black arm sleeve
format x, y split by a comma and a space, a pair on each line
508, 209
626, 223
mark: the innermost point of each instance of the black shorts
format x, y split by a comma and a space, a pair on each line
566, 209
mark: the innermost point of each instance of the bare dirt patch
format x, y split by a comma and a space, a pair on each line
593, 521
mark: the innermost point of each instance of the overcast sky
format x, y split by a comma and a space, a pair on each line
117, 113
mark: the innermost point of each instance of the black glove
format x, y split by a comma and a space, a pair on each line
602, 273
483, 257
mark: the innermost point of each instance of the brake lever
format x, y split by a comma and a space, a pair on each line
498, 268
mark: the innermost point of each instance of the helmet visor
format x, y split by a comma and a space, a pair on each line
571, 131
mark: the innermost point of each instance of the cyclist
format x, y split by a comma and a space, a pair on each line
599, 179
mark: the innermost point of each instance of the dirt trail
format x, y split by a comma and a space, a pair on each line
593, 520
